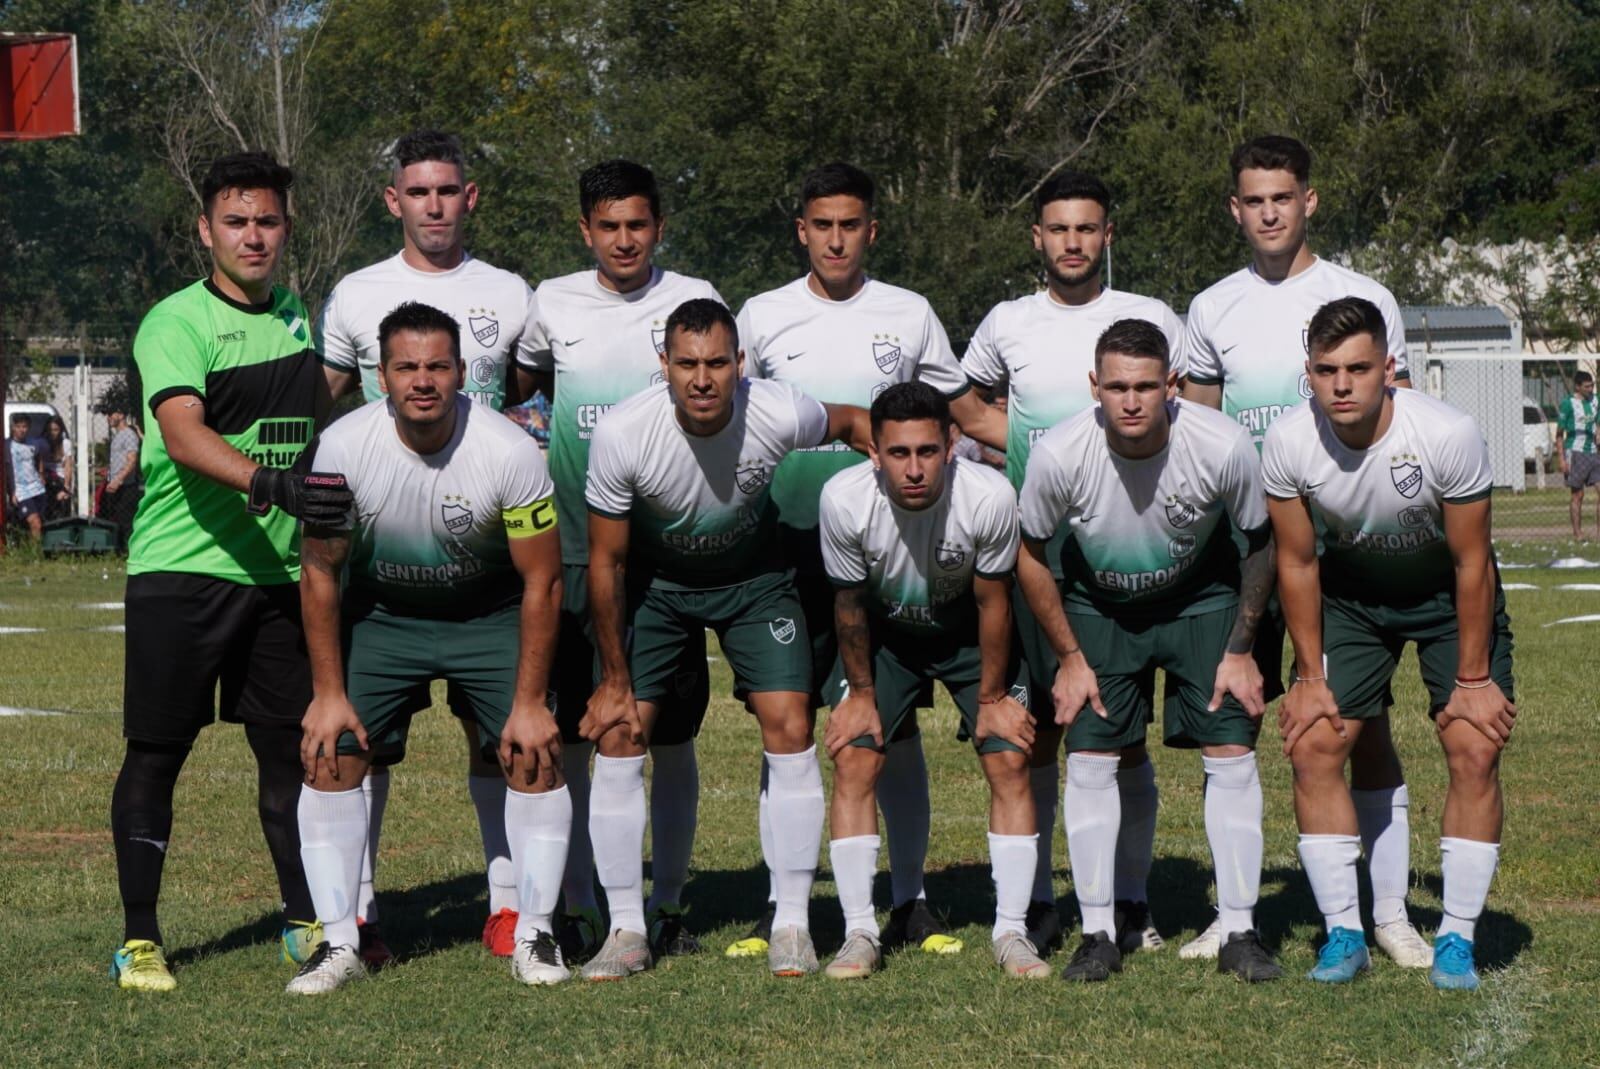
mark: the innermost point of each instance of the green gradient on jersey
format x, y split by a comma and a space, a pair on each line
581, 399
1267, 397
719, 548
1387, 559
420, 575
797, 483
1148, 580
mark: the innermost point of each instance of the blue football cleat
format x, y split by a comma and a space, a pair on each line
1344, 956
1453, 969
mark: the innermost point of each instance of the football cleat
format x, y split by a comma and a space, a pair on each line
1453, 967
754, 944
329, 969
139, 965
538, 961
500, 933
1245, 957
1344, 957
1015, 954
1044, 927
1404, 944
298, 941
1204, 945
1135, 929
1096, 958
375, 953
857, 959
913, 924
624, 954
668, 937
791, 953
580, 934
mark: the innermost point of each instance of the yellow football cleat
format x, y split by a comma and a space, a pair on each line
299, 940
140, 966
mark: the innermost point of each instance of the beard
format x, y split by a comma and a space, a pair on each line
1087, 272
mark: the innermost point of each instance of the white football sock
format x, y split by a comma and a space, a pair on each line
333, 836
797, 805
855, 863
538, 827
764, 826
1384, 818
375, 792
577, 883
903, 798
1136, 838
489, 799
1468, 868
1233, 824
1011, 861
1094, 810
616, 827
1330, 864
1045, 783
674, 809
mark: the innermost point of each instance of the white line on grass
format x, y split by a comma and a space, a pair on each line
1500, 1028
1573, 562
1518, 586
1579, 586
1589, 619
101, 605
11, 710
20, 630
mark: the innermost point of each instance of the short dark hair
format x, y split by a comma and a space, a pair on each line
20, 417
617, 180
429, 146
1581, 377
1272, 152
906, 401
422, 319
699, 316
1338, 321
245, 170
837, 179
1133, 337
1071, 185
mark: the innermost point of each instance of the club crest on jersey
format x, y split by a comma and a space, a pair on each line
658, 338
483, 371
782, 629
878, 389
1305, 386
457, 518
1180, 513
1407, 477
658, 378
1416, 516
1305, 338
949, 555
1019, 694
1181, 546
752, 476
886, 354
484, 328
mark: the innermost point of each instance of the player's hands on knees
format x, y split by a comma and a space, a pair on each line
852, 718
610, 705
1307, 702
326, 719
1005, 718
1075, 687
1239, 675
531, 731
1485, 708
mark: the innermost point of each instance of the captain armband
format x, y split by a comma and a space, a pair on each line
534, 518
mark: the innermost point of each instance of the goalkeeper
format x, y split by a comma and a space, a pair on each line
232, 391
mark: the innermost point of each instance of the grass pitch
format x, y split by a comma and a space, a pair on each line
448, 1003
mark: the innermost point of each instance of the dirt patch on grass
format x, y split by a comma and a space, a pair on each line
52, 842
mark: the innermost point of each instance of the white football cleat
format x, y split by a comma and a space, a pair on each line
327, 970
1206, 945
1404, 944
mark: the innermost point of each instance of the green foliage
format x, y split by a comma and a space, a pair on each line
1476, 120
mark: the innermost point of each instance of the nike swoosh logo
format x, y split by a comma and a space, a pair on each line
1225, 350
796, 356
1018, 367
159, 844
570, 344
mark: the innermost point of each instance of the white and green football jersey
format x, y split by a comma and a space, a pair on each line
917, 565
1146, 537
840, 352
1379, 511
1044, 350
1248, 335
492, 306
430, 531
700, 509
602, 347
1576, 418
